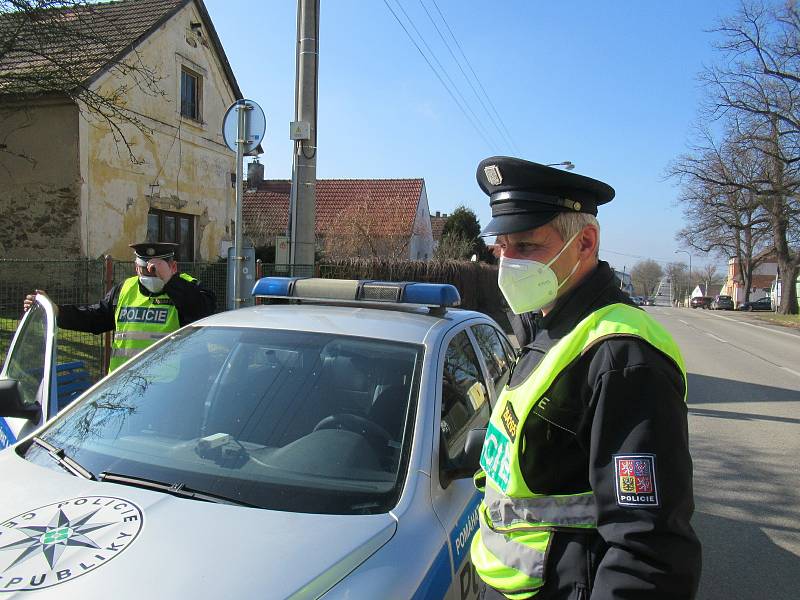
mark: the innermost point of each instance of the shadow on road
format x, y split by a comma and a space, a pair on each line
741, 563
706, 390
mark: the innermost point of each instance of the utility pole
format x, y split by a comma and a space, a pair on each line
304, 134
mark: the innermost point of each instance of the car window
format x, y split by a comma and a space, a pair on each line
494, 355
464, 398
286, 420
26, 362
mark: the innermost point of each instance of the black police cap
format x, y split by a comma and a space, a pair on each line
149, 250
524, 195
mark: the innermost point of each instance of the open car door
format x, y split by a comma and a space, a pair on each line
28, 385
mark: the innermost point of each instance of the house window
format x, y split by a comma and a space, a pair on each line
190, 94
164, 226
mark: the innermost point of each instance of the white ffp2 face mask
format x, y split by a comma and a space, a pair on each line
152, 284
528, 285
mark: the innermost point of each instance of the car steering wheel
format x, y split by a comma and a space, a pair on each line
356, 424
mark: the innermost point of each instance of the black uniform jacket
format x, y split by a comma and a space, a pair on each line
622, 398
192, 300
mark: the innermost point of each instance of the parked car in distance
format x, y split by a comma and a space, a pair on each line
761, 304
722, 302
638, 300
701, 302
650, 302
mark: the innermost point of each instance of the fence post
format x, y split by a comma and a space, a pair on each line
109, 283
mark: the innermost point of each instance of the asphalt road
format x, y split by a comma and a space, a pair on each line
744, 423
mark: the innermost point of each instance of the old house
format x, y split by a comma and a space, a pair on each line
762, 281
354, 217
75, 183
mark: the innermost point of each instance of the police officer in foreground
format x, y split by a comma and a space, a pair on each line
144, 308
586, 466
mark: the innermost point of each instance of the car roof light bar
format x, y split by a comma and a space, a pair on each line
352, 290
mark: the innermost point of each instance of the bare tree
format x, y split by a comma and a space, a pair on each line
723, 220
709, 275
54, 48
645, 276
453, 246
678, 274
755, 88
370, 228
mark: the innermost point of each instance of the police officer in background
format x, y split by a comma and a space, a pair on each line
144, 308
585, 467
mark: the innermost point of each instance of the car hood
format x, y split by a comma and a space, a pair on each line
70, 537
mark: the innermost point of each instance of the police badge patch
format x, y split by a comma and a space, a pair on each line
635, 476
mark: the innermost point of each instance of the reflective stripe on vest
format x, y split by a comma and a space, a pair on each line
511, 514
568, 511
141, 320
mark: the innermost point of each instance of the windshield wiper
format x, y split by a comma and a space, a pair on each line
61, 457
175, 489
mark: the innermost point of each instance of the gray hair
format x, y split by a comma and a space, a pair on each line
568, 224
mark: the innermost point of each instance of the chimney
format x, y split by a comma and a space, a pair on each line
437, 213
255, 174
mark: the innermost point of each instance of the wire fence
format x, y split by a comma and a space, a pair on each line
85, 281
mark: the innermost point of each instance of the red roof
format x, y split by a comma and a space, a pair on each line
437, 225
384, 207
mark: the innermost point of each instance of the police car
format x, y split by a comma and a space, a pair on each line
320, 445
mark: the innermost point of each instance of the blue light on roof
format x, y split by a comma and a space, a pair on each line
432, 294
274, 286
341, 290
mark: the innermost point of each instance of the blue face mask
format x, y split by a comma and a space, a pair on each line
528, 285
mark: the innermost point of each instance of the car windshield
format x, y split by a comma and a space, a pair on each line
285, 420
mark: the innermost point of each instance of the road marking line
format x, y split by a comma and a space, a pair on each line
792, 371
793, 335
684, 322
719, 339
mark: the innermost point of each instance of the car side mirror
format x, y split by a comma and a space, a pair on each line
11, 404
468, 462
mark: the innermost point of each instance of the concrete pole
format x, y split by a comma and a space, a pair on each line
304, 172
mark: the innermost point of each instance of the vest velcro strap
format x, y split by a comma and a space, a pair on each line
138, 335
521, 557
479, 479
569, 511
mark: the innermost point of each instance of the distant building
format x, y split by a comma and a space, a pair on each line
626, 284
763, 278
437, 226
386, 218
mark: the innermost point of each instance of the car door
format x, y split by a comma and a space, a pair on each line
464, 403
31, 363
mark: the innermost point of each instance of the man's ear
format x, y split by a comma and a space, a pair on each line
588, 242
173, 265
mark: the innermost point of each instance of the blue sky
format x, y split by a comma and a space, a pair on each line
610, 86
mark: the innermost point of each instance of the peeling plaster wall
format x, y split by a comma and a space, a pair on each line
39, 195
187, 159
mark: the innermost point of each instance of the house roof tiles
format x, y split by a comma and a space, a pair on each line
384, 207
75, 45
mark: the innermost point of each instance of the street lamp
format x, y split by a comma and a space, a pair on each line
690, 264
567, 164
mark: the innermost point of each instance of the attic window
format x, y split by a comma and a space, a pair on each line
190, 94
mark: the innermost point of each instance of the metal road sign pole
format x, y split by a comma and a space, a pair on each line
243, 129
240, 143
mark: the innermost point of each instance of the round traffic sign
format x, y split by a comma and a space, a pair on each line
255, 125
